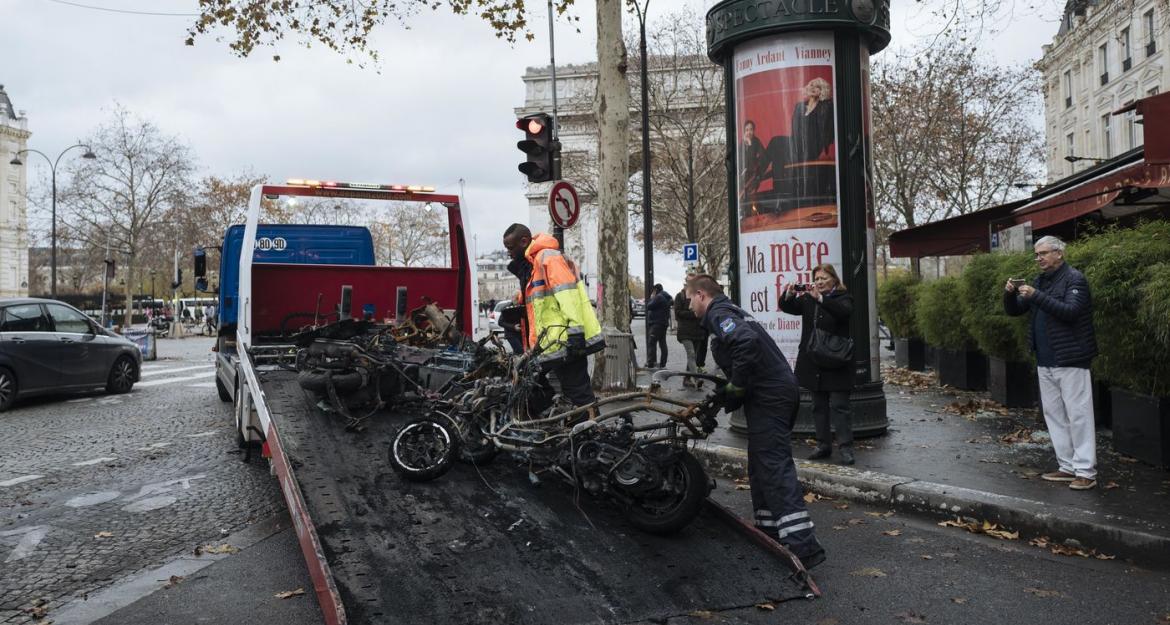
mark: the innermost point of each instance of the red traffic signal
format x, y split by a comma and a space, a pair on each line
543, 152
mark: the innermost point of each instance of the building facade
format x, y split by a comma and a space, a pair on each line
14, 136
1105, 56
494, 280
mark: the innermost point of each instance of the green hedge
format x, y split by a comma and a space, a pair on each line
940, 315
1126, 273
895, 300
981, 297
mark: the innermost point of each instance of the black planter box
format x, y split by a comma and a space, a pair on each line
963, 369
932, 357
1011, 383
910, 354
1102, 404
1141, 426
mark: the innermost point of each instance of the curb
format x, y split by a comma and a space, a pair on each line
1029, 517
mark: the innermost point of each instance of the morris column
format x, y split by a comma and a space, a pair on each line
798, 138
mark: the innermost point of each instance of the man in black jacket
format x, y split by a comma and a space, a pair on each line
1061, 334
657, 320
763, 384
692, 335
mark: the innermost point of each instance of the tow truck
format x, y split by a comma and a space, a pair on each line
486, 547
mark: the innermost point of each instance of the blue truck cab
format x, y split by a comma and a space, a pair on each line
275, 243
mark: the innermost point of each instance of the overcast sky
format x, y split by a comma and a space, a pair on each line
441, 109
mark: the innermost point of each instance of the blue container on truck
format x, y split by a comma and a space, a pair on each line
287, 243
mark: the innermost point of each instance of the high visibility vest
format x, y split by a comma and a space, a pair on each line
557, 304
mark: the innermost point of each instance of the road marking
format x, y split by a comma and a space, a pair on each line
175, 370
92, 499
202, 434
30, 537
86, 463
162, 487
202, 385
79, 400
154, 446
150, 503
170, 380
20, 480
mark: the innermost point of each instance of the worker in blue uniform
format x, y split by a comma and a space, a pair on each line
762, 382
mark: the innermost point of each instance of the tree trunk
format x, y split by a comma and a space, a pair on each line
613, 122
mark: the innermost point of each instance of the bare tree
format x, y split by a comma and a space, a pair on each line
122, 198
407, 236
687, 141
952, 134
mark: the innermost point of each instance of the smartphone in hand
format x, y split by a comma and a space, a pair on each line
1017, 282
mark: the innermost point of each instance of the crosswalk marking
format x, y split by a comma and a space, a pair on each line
86, 463
20, 480
171, 380
202, 385
176, 370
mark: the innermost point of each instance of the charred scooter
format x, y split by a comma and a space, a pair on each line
630, 448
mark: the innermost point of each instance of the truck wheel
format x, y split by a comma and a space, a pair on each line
224, 393
423, 449
7, 389
672, 508
122, 376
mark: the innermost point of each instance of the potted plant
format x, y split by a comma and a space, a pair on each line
940, 312
1011, 372
895, 299
1129, 278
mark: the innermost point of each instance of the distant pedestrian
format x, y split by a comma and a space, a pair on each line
657, 320
692, 335
1062, 337
826, 305
763, 384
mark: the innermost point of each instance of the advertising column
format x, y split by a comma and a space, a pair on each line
796, 74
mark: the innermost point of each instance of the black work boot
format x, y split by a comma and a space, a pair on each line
821, 452
847, 455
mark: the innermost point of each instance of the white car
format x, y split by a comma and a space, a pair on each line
494, 316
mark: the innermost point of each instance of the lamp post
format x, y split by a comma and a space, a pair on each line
1072, 159
647, 214
152, 287
53, 168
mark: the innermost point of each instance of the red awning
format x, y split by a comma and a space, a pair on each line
964, 234
1091, 195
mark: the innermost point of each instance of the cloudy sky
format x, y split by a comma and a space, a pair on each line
440, 109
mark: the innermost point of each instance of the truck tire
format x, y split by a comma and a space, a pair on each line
671, 513
224, 394
423, 449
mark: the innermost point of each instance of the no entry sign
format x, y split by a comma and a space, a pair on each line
564, 207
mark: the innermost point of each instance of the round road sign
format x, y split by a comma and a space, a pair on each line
564, 207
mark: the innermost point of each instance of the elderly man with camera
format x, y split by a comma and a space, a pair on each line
1061, 334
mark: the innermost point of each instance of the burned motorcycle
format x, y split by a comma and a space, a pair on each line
630, 447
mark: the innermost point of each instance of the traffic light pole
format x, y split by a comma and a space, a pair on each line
558, 232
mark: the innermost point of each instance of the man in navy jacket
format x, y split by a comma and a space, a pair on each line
657, 320
1061, 335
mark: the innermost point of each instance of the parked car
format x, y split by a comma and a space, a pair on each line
494, 316
637, 307
48, 346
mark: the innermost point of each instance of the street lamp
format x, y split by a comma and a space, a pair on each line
1072, 159
647, 209
53, 168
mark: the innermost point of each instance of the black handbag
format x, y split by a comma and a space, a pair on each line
828, 350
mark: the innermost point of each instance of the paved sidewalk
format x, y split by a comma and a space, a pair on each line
956, 454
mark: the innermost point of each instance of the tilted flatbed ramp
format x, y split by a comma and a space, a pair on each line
484, 545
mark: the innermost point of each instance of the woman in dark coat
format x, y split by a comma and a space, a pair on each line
827, 304
692, 335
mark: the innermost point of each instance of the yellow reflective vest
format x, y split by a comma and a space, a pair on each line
555, 300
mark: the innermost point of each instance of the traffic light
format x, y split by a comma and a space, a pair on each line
544, 152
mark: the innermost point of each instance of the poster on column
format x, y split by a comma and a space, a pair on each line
787, 179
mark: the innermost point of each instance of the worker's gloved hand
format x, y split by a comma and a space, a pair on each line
731, 396
576, 347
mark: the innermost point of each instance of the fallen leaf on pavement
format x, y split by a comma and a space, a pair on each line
927, 557
173, 581
959, 600
828, 621
765, 606
910, 617
702, 614
1044, 593
881, 515
39, 609
225, 548
892, 533
987, 527
840, 527
811, 497
1112, 485
1020, 435
868, 571
742, 487
841, 506
290, 593
856, 521
103, 535
906, 377
1127, 459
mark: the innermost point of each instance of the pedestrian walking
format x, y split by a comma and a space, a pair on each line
1061, 334
763, 384
692, 335
824, 305
657, 320
560, 317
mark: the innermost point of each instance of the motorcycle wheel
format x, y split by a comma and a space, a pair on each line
474, 447
673, 511
423, 449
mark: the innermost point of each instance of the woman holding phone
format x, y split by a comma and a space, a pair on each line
825, 304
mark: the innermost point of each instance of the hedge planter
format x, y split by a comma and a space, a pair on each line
1141, 426
962, 369
1011, 383
910, 354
